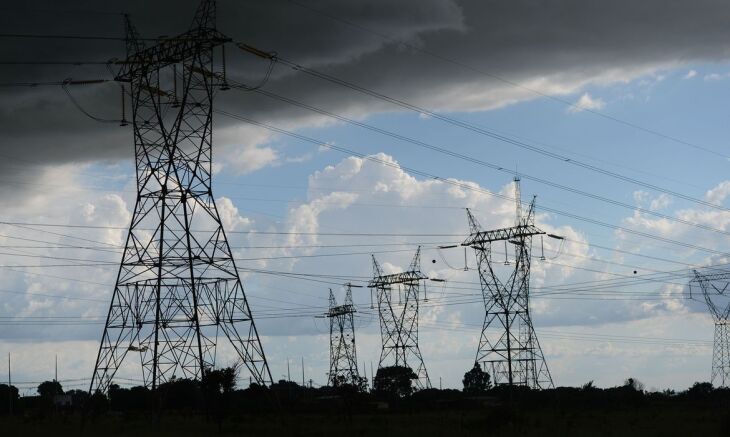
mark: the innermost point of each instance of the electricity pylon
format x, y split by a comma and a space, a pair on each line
715, 289
399, 329
343, 355
508, 346
177, 288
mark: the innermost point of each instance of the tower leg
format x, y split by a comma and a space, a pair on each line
721, 355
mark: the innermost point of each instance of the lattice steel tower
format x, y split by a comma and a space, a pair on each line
177, 287
399, 328
715, 289
508, 346
343, 356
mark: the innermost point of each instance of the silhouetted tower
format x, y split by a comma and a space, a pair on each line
508, 346
343, 356
399, 327
177, 287
715, 289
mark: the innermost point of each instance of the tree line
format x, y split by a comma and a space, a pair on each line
218, 396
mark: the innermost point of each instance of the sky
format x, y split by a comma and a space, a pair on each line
612, 114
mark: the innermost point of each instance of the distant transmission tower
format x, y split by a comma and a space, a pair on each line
343, 356
177, 287
508, 346
715, 288
399, 329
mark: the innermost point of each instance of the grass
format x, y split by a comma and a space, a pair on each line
493, 421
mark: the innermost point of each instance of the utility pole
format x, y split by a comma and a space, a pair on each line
303, 381
177, 287
508, 347
288, 370
343, 353
399, 327
715, 289
10, 385
55, 379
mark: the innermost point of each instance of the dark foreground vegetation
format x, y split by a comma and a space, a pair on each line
216, 407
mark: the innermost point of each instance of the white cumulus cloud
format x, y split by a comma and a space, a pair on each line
719, 193
587, 102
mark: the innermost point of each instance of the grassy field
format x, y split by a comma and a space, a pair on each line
495, 421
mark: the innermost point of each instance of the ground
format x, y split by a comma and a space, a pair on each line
488, 421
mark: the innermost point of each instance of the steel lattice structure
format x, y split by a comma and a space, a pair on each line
343, 355
177, 287
508, 346
399, 329
715, 289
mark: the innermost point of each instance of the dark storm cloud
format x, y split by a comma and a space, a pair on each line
555, 46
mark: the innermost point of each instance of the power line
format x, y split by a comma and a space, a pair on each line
631, 278
464, 327
450, 120
26, 227
362, 245
483, 163
88, 37
339, 254
73, 11
74, 63
476, 161
460, 184
52, 296
490, 134
254, 232
29, 84
510, 82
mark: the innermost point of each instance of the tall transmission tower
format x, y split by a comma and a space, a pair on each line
715, 289
508, 346
399, 329
343, 355
177, 288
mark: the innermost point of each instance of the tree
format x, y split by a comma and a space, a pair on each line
129, 399
49, 389
179, 394
700, 389
78, 397
634, 384
98, 403
588, 386
220, 381
357, 383
476, 380
394, 381
218, 385
8, 397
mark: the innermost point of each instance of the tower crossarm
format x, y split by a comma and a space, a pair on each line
411, 278
341, 310
715, 288
514, 233
708, 277
169, 51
